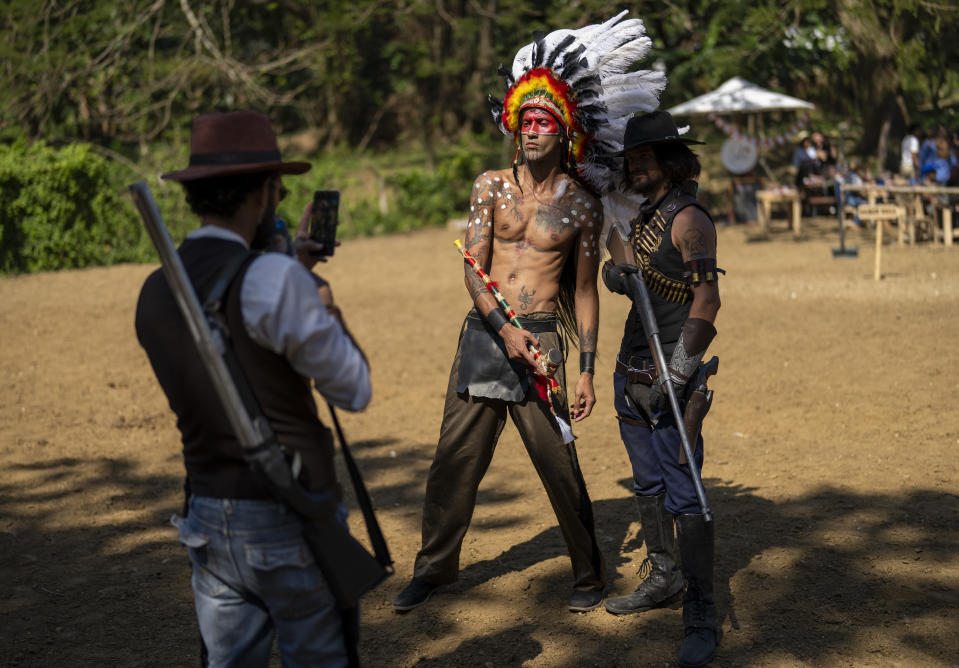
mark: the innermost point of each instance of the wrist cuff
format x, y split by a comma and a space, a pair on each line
496, 318
587, 362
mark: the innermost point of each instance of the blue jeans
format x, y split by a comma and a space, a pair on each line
254, 578
654, 456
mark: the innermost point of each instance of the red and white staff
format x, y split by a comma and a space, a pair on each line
547, 363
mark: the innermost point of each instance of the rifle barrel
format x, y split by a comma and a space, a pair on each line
644, 307
210, 349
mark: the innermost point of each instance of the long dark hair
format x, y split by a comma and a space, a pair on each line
566, 299
677, 161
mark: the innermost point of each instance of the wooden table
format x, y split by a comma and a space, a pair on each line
764, 203
911, 197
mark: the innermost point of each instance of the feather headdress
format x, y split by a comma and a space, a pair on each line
583, 78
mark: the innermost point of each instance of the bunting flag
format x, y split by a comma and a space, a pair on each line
732, 130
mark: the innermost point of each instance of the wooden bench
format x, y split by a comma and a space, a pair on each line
764, 203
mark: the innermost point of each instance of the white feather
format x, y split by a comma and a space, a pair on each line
610, 49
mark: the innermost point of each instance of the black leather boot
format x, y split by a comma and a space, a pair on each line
664, 581
699, 608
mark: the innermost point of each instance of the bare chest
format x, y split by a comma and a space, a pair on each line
546, 225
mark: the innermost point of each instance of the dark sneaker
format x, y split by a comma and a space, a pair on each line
416, 594
584, 601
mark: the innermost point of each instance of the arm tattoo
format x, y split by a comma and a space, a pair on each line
479, 231
694, 244
587, 339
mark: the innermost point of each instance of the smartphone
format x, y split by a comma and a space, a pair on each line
324, 219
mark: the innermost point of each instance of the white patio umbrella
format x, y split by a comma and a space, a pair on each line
739, 96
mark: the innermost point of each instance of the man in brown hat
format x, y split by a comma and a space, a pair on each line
673, 243
253, 575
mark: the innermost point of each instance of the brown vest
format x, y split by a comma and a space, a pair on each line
213, 457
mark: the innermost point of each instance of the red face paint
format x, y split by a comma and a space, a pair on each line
539, 121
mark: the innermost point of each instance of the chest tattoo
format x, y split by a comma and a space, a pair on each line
551, 219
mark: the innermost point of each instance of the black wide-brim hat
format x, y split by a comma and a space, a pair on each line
656, 127
239, 142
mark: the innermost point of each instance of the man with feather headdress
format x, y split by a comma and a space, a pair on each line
536, 229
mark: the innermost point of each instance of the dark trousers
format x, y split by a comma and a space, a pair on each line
471, 427
654, 455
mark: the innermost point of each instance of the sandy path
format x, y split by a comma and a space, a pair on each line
829, 469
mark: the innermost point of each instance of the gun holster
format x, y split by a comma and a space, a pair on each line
698, 402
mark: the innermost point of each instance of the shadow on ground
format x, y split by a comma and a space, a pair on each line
820, 565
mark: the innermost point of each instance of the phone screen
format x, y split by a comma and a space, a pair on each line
324, 219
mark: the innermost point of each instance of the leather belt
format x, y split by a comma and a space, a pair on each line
541, 325
645, 375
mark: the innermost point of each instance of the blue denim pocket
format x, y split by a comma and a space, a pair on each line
288, 577
196, 542
188, 536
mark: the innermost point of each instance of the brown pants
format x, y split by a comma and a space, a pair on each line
471, 427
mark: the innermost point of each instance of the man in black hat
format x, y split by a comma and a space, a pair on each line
673, 243
253, 575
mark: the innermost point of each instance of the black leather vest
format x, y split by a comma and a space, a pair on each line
663, 270
213, 457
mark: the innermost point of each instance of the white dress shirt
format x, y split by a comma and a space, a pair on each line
282, 311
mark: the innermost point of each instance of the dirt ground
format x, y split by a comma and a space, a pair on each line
829, 467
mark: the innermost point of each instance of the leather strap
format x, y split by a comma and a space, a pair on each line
633, 375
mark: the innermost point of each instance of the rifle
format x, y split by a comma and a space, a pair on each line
349, 569
638, 292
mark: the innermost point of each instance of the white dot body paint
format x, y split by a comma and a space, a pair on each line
565, 220
509, 197
496, 178
584, 244
588, 205
575, 212
502, 206
587, 253
506, 184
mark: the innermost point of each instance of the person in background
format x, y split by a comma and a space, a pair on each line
927, 148
825, 153
909, 160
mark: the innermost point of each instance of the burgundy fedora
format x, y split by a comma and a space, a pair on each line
239, 142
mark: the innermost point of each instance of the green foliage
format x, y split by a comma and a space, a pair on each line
395, 93
61, 209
